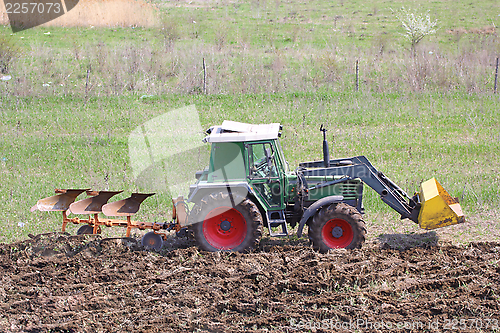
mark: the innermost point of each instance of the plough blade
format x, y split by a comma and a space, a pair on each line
125, 207
438, 209
94, 204
59, 202
98, 203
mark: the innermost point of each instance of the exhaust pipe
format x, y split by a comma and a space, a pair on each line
326, 153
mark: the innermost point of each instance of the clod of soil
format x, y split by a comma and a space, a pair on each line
61, 283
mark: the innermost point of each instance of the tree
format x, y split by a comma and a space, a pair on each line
417, 26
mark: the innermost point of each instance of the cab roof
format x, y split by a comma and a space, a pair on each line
233, 131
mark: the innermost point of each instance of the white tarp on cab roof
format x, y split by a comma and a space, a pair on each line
233, 131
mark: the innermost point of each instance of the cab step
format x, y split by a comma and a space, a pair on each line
276, 219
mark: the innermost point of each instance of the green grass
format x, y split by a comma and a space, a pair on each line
275, 61
53, 143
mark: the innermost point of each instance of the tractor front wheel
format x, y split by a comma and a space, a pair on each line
337, 226
226, 224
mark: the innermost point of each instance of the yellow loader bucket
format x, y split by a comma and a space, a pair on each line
438, 209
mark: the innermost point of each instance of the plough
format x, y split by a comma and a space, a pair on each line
64, 201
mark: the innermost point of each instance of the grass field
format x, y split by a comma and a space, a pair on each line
76, 93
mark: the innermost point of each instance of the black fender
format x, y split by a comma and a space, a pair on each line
311, 210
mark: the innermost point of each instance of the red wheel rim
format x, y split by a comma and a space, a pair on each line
152, 241
337, 233
224, 228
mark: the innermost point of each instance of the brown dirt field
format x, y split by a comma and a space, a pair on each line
60, 283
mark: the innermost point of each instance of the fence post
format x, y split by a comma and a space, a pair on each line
496, 77
87, 81
204, 77
357, 75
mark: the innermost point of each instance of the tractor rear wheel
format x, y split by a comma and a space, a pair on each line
225, 226
337, 226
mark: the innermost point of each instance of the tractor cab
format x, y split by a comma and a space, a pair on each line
248, 160
245, 157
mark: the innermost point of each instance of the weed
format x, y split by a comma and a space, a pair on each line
170, 32
9, 52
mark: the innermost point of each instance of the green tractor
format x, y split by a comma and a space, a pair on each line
248, 184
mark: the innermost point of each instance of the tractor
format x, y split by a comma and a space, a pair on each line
248, 184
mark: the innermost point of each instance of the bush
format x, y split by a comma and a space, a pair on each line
8, 53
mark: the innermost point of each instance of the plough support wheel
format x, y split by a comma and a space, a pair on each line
152, 241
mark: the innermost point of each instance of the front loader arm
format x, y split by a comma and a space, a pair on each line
360, 167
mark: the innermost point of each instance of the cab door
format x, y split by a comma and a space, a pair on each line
264, 174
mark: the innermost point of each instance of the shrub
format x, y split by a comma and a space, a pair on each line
8, 53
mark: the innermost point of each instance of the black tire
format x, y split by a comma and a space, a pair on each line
152, 241
85, 230
337, 226
222, 227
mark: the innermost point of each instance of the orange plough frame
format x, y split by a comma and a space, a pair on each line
64, 201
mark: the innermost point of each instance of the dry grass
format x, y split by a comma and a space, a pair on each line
486, 30
174, 67
238, 59
102, 13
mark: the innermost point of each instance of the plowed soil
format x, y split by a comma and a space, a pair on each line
61, 283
